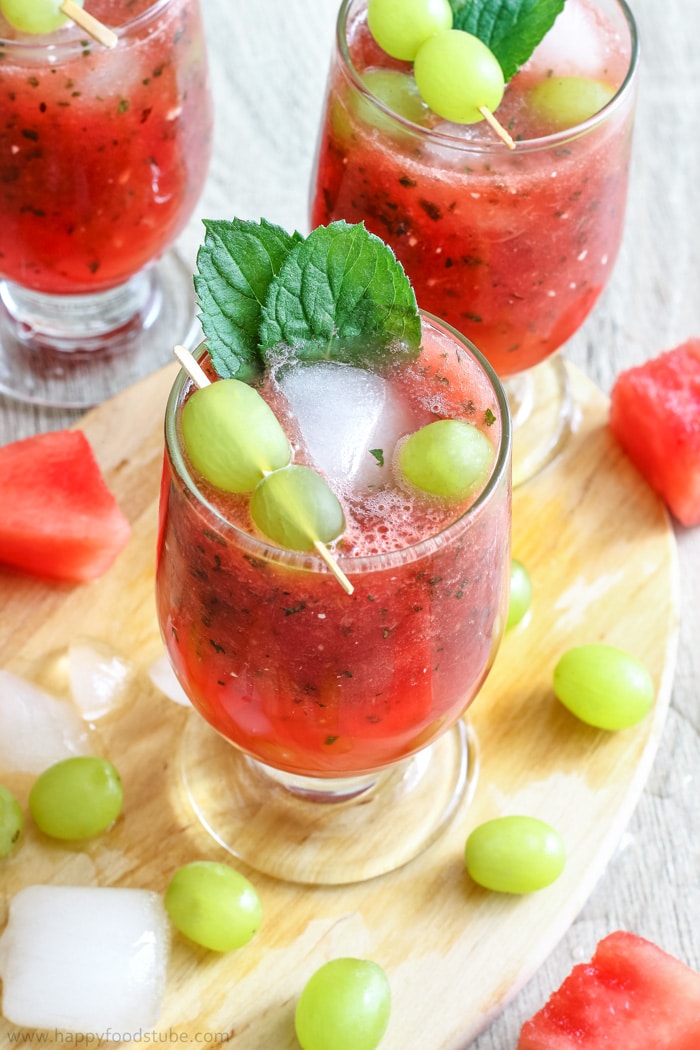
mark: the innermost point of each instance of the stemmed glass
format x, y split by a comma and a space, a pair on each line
103, 155
511, 247
327, 744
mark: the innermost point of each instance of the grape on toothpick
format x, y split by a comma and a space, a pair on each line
232, 436
304, 508
40, 17
460, 78
401, 26
295, 507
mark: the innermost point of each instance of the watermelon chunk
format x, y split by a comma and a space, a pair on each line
655, 415
630, 996
58, 519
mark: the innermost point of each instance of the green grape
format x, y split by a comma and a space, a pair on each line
11, 821
295, 507
76, 798
345, 1005
520, 593
232, 436
401, 26
396, 90
448, 458
456, 74
35, 16
603, 686
565, 102
213, 905
514, 854
399, 93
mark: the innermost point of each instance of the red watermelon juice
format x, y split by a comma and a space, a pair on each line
513, 248
103, 152
278, 657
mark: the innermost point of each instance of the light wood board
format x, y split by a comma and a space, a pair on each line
602, 555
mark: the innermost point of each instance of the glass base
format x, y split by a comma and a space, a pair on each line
542, 409
76, 351
322, 831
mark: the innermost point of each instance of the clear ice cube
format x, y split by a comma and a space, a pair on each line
574, 46
344, 414
85, 959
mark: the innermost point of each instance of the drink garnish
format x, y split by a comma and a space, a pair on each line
512, 29
91, 25
292, 505
338, 294
457, 75
39, 17
464, 51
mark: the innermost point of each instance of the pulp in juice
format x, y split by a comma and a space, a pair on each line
513, 248
285, 664
103, 152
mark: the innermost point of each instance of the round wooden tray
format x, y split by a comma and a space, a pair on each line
602, 556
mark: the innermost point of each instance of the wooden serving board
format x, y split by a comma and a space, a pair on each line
601, 553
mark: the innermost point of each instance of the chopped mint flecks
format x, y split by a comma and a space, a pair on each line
489, 418
512, 29
378, 454
338, 294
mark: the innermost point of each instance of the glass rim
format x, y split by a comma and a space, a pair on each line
308, 560
542, 142
43, 45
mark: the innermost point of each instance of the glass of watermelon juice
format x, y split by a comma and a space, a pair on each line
103, 155
512, 247
344, 710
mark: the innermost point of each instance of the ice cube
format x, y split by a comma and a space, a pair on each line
349, 420
36, 729
574, 46
85, 959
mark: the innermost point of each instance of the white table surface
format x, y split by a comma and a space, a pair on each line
269, 60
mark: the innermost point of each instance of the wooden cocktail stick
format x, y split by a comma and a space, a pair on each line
92, 26
192, 366
497, 126
200, 379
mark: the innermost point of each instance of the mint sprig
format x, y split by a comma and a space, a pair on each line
512, 29
237, 264
339, 294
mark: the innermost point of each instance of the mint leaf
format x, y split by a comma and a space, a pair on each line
236, 264
378, 454
341, 294
512, 29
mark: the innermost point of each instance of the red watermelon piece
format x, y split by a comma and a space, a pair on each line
630, 996
655, 415
58, 519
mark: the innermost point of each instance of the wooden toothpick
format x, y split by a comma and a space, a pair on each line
334, 567
497, 126
200, 379
192, 366
91, 25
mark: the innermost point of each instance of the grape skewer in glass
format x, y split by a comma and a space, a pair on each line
511, 246
103, 155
